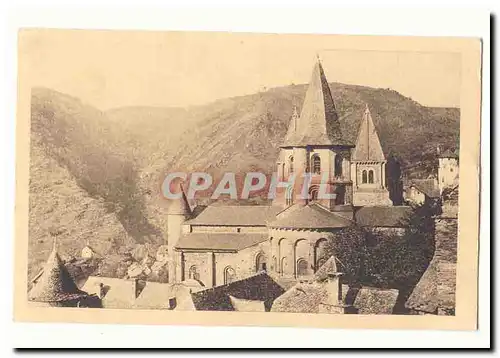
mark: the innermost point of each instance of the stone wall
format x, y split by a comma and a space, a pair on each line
211, 266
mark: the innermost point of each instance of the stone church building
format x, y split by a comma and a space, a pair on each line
221, 244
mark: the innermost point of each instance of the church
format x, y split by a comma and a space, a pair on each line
220, 244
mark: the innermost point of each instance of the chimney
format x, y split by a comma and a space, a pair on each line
99, 289
334, 288
134, 289
334, 303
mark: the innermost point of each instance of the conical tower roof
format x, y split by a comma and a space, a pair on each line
55, 283
368, 146
318, 123
180, 206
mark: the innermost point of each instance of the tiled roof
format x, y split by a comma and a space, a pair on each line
307, 298
383, 216
318, 123
259, 287
427, 186
304, 298
368, 146
312, 216
55, 283
370, 300
220, 241
435, 289
330, 266
251, 215
118, 292
242, 305
157, 295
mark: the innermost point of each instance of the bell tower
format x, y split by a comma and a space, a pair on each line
315, 157
369, 166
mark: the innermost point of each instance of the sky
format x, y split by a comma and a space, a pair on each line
116, 68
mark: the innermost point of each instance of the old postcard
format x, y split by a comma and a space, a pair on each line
247, 179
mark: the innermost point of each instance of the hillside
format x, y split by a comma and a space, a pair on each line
83, 188
244, 133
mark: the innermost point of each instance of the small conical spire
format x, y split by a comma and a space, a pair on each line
318, 123
180, 206
55, 283
368, 145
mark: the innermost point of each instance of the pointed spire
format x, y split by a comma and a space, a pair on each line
55, 283
318, 123
368, 144
180, 206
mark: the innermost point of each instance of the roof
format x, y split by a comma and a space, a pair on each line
250, 215
330, 266
368, 146
118, 292
308, 297
311, 216
220, 241
238, 295
435, 289
383, 216
55, 283
370, 300
304, 298
318, 123
427, 186
242, 305
157, 295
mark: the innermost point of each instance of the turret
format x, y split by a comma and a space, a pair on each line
314, 145
448, 169
178, 212
55, 286
369, 165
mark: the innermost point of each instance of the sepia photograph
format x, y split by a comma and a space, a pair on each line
274, 174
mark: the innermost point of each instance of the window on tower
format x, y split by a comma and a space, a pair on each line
364, 177
316, 163
338, 166
370, 177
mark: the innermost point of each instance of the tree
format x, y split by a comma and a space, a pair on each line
348, 246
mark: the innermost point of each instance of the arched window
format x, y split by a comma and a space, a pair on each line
316, 164
370, 177
229, 275
275, 264
301, 267
260, 263
338, 166
282, 265
193, 273
291, 164
313, 193
364, 177
320, 252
